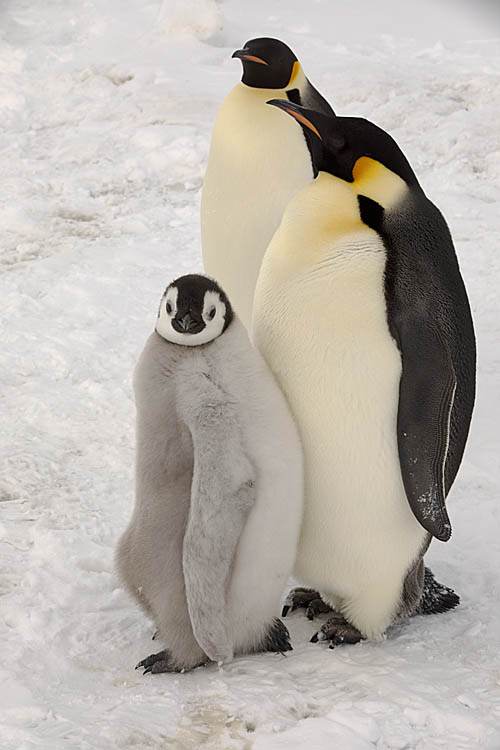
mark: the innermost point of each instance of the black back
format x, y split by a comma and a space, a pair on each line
310, 98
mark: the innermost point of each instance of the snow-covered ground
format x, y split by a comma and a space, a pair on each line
106, 109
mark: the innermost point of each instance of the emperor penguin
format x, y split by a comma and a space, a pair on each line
257, 161
219, 486
362, 314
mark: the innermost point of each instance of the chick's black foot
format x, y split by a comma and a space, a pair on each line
337, 631
277, 638
157, 663
307, 599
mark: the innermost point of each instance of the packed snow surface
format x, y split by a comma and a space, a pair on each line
107, 108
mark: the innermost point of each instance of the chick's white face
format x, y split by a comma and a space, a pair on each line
190, 319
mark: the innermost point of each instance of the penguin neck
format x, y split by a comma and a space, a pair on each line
253, 94
297, 80
375, 181
326, 204
317, 216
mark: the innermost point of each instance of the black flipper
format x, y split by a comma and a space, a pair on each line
426, 393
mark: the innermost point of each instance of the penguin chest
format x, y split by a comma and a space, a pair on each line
324, 332
258, 159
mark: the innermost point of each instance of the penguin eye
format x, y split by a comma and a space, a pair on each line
169, 308
211, 314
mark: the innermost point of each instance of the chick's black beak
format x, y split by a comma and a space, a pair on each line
243, 54
186, 322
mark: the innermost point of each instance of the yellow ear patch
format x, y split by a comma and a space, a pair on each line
366, 169
295, 72
375, 181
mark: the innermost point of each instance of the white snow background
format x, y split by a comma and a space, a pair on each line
106, 112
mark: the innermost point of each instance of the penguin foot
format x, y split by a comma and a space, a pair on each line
277, 638
337, 631
307, 599
157, 663
436, 597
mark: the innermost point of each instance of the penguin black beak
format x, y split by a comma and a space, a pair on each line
186, 322
295, 112
242, 54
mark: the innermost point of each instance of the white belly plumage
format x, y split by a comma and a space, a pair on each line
323, 331
257, 161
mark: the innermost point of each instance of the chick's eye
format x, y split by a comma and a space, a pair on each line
169, 308
211, 314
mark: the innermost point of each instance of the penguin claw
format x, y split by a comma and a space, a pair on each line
337, 631
319, 636
156, 663
308, 599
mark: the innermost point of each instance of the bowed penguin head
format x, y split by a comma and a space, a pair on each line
193, 310
267, 64
348, 147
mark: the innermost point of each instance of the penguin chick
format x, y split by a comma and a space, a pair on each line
218, 505
257, 161
362, 315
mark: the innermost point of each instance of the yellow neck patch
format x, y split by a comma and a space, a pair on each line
377, 182
295, 72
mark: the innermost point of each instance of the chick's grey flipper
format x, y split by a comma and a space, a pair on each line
222, 494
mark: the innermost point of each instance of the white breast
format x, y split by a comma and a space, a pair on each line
258, 159
322, 329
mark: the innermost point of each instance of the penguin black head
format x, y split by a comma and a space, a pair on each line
267, 64
336, 143
193, 310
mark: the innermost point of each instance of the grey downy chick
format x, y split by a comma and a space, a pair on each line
218, 508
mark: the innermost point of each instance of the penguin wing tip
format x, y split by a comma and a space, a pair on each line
444, 532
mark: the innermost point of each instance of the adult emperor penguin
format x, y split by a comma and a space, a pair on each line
219, 487
362, 315
257, 161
